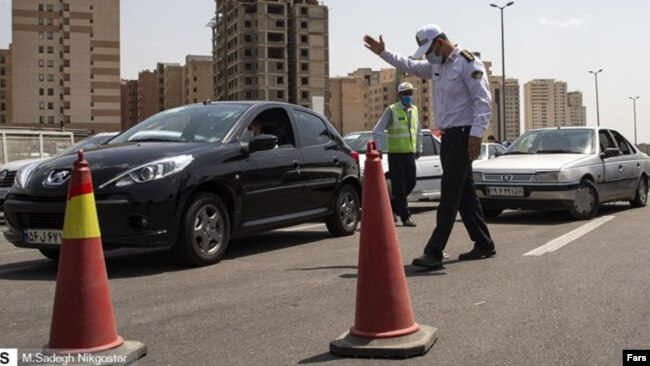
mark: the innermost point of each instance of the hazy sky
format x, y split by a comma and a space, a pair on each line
560, 39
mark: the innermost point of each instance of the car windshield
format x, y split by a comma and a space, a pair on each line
358, 141
555, 141
204, 123
87, 143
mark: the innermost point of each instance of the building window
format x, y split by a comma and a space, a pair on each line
50, 21
50, 7
41, 77
41, 49
50, 91
50, 106
41, 119
303, 25
50, 63
41, 91
50, 77
304, 67
40, 35
40, 7
248, 67
50, 49
248, 81
279, 66
304, 53
280, 94
50, 119
276, 52
247, 38
279, 23
304, 39
41, 105
304, 95
304, 81
280, 80
303, 10
248, 53
247, 24
41, 63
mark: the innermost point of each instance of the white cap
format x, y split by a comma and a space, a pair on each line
425, 37
404, 86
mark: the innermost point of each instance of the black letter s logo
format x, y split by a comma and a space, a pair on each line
4, 358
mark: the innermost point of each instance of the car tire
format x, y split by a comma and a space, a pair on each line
51, 254
345, 218
641, 197
586, 204
205, 230
492, 212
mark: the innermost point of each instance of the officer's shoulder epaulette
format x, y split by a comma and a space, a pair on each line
468, 55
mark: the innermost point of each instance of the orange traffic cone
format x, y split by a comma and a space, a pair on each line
82, 318
384, 325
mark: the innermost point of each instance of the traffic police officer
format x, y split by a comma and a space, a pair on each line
463, 106
402, 126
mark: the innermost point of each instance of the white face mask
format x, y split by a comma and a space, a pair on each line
432, 58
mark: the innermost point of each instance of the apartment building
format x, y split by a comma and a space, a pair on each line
577, 111
5, 95
197, 79
512, 108
359, 99
272, 50
170, 85
66, 63
546, 104
148, 101
129, 97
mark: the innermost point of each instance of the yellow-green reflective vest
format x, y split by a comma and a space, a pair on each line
402, 132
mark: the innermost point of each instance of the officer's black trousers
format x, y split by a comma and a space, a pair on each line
458, 194
402, 173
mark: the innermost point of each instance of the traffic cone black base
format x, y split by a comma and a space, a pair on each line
415, 344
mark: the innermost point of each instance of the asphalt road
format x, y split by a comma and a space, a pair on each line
280, 298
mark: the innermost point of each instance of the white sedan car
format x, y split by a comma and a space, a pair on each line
571, 168
428, 166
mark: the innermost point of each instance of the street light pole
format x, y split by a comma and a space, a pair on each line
597, 108
503, 75
634, 106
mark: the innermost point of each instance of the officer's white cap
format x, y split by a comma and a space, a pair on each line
404, 87
425, 37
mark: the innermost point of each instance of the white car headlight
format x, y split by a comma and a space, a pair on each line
549, 177
151, 171
23, 174
478, 176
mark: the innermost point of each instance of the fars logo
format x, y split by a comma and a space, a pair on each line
9, 356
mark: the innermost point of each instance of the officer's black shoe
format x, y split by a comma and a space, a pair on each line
409, 222
428, 261
477, 253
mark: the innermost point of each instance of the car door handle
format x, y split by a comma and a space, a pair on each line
295, 163
336, 159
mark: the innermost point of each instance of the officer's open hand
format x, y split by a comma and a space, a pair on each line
373, 45
474, 147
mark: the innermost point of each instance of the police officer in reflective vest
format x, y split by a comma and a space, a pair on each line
401, 124
462, 99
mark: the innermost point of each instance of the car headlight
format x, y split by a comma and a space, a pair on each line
549, 177
478, 176
151, 171
23, 174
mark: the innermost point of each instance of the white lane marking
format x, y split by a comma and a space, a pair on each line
301, 227
565, 239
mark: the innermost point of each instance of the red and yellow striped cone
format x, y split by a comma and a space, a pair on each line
82, 319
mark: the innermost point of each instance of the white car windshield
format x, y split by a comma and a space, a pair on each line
554, 141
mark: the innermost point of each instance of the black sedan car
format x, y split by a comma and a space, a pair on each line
193, 177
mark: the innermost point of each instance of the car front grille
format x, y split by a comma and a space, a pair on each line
508, 178
9, 179
41, 220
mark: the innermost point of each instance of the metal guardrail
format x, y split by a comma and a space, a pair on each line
19, 144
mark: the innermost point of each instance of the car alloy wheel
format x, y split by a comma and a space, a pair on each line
585, 204
641, 197
345, 218
205, 230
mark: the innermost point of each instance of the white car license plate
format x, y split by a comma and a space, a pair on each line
40, 236
506, 191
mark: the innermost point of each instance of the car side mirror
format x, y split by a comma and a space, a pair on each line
497, 154
610, 152
262, 142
